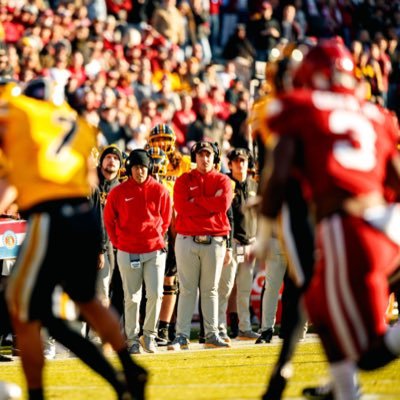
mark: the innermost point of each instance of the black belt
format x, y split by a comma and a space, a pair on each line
205, 239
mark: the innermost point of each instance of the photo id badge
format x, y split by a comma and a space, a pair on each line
135, 261
240, 254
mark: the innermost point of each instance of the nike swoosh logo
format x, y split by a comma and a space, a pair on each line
193, 187
129, 198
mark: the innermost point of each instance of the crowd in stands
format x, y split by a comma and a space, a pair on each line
129, 65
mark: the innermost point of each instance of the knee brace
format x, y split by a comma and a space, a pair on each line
171, 290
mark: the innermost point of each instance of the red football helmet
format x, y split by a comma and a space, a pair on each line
327, 66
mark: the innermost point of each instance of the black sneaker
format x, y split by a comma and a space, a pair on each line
162, 338
265, 337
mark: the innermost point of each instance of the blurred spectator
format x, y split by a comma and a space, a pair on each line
119, 8
97, 10
210, 77
183, 118
166, 72
201, 17
207, 126
137, 133
148, 108
5, 67
110, 128
234, 92
222, 108
238, 45
215, 31
374, 76
200, 95
240, 50
168, 21
77, 67
227, 75
190, 28
237, 120
264, 31
385, 64
143, 87
290, 28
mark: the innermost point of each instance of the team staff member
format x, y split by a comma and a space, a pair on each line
48, 150
137, 216
162, 136
109, 172
201, 199
110, 162
241, 268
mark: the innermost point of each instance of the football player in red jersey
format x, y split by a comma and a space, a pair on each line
346, 148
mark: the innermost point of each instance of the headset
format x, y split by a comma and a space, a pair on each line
242, 150
194, 149
128, 159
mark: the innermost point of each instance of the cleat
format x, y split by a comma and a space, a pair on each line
265, 337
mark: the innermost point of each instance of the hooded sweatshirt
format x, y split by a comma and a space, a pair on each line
137, 216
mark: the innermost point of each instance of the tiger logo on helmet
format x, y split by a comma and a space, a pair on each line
163, 137
159, 161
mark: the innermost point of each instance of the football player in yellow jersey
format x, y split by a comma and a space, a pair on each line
47, 148
163, 137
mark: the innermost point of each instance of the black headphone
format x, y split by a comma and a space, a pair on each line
198, 145
237, 151
128, 167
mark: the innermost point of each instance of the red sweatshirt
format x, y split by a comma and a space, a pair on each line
137, 216
201, 202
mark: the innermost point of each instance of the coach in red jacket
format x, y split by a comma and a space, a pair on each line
201, 199
137, 215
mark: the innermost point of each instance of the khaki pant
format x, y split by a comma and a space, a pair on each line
199, 268
151, 272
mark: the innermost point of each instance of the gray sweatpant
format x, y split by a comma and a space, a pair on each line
243, 272
199, 267
151, 271
275, 272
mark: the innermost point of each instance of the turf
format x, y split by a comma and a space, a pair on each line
228, 374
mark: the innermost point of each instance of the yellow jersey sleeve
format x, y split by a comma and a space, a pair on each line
48, 148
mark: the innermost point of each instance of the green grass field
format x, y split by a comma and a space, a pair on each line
237, 373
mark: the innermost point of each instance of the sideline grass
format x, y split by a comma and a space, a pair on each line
228, 374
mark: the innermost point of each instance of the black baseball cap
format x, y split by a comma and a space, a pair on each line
204, 145
239, 152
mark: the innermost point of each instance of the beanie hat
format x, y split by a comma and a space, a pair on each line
139, 157
112, 149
